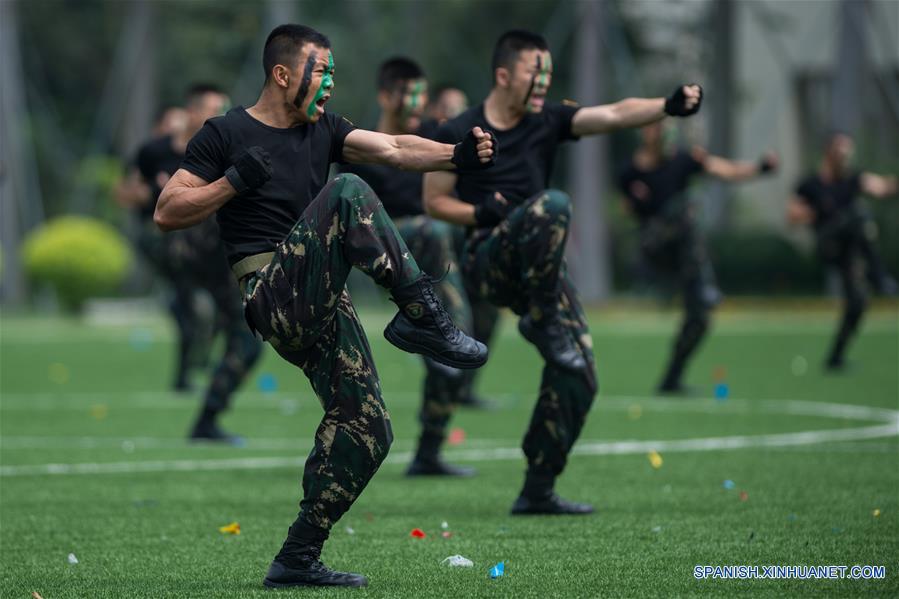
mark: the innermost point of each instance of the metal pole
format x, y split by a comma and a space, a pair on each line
588, 247
21, 203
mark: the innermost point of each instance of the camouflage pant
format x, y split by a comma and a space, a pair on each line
193, 259
847, 245
519, 264
675, 251
484, 316
300, 305
193, 330
203, 256
431, 244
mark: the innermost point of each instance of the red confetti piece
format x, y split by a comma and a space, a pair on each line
417, 533
719, 374
744, 496
456, 436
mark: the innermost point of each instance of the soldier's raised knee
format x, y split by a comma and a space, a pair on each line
353, 188
556, 203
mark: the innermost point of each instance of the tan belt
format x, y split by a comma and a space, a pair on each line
251, 264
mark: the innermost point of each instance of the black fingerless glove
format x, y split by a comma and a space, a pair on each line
766, 165
491, 212
465, 154
251, 170
676, 104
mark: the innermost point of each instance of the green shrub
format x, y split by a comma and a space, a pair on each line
79, 257
758, 262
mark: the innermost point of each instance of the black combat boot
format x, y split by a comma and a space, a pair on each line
299, 564
551, 339
422, 326
207, 429
537, 497
427, 461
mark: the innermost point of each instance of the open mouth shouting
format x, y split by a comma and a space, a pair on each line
320, 104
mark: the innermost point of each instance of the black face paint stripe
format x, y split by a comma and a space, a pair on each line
307, 79
527, 98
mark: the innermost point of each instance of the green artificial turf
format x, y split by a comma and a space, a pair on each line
95, 395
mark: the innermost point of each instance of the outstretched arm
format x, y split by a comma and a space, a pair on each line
131, 191
735, 170
799, 212
635, 112
879, 186
413, 153
439, 202
187, 200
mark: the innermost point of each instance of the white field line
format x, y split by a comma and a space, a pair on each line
664, 324
296, 402
888, 429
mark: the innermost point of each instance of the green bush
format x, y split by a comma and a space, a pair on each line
79, 257
763, 263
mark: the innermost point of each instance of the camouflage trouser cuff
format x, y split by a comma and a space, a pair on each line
307, 533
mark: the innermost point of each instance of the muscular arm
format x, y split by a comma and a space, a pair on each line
798, 212
407, 152
631, 112
731, 170
879, 186
439, 202
413, 153
188, 199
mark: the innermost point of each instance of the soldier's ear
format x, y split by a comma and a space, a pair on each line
502, 76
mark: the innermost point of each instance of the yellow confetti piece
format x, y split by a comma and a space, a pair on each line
36, 595
655, 460
58, 373
99, 411
876, 512
634, 412
230, 529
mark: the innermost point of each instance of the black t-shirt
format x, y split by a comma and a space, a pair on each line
660, 191
156, 161
398, 190
526, 152
829, 199
256, 221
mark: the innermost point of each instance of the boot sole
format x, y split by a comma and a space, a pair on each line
271, 584
414, 348
529, 513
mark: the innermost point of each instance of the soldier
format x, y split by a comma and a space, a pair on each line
654, 185
403, 97
518, 231
449, 102
292, 237
195, 259
845, 233
138, 194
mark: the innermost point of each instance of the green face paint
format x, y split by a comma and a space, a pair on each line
413, 98
327, 83
540, 79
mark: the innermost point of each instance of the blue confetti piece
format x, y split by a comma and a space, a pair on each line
498, 570
267, 383
141, 339
792, 517
729, 484
721, 391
